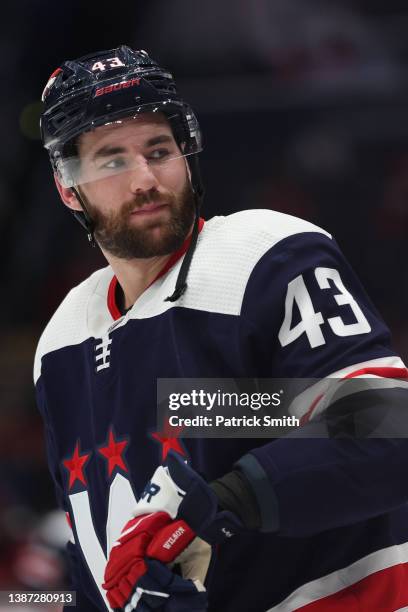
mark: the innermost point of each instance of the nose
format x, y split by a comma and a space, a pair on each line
142, 177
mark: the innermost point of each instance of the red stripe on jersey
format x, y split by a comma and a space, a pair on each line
382, 372
313, 405
113, 307
68, 520
385, 591
385, 372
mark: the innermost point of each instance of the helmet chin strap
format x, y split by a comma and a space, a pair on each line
83, 216
198, 189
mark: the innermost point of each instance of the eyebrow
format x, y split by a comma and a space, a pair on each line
108, 150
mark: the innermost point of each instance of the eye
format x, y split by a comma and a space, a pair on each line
117, 163
158, 154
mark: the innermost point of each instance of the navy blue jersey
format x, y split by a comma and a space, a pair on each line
269, 295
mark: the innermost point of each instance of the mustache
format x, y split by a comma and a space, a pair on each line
147, 198
120, 215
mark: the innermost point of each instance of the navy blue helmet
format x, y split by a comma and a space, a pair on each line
102, 88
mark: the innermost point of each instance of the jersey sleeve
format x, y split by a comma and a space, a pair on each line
52, 455
306, 315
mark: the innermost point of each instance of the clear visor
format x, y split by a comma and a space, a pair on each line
125, 145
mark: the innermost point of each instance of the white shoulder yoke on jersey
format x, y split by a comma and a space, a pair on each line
227, 251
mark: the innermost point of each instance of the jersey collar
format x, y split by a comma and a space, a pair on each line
173, 259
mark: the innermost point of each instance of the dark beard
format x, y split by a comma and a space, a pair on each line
115, 235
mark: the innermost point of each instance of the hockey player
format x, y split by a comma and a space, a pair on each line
303, 522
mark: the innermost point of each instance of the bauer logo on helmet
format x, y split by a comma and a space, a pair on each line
116, 87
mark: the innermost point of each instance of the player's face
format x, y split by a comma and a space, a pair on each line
140, 198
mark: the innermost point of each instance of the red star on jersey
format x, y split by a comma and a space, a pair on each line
168, 444
75, 466
113, 453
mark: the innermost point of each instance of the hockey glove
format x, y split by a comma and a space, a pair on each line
177, 489
133, 581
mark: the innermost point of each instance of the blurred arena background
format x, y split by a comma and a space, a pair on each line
304, 109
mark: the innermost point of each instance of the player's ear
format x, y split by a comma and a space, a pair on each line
67, 195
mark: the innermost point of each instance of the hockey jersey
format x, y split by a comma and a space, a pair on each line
269, 296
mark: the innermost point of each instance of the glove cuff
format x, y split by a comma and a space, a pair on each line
236, 495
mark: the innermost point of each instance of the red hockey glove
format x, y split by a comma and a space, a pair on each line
179, 491
134, 581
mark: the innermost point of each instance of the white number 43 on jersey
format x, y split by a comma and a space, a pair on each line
311, 321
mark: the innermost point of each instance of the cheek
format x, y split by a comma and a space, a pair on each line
100, 194
175, 175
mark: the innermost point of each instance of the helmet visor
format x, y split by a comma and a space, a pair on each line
126, 145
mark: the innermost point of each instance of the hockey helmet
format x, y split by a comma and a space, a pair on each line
103, 88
